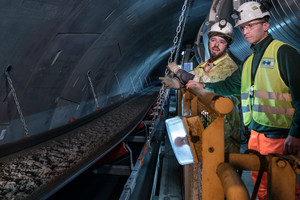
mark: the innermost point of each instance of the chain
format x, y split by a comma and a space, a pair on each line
93, 90
183, 26
178, 30
164, 93
118, 83
17, 103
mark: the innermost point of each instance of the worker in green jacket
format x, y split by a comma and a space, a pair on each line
215, 69
269, 86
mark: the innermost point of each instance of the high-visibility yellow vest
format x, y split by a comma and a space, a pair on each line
268, 101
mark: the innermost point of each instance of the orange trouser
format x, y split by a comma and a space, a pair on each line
264, 146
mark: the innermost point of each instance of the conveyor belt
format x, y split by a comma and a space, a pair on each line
37, 171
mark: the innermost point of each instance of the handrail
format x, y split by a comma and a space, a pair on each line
213, 101
233, 185
244, 161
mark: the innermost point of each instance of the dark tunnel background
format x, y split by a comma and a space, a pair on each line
50, 49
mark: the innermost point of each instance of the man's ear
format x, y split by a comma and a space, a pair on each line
266, 26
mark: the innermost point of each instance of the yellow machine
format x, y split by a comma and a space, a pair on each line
200, 148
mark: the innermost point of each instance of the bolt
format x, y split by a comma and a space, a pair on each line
211, 149
281, 163
195, 139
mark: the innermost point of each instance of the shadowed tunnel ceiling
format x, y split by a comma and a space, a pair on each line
51, 46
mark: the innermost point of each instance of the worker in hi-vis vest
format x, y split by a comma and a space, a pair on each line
269, 85
216, 68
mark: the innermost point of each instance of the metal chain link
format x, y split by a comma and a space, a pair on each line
164, 93
93, 90
178, 30
17, 103
183, 27
175, 40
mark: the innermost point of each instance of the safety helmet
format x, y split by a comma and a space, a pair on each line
222, 28
249, 11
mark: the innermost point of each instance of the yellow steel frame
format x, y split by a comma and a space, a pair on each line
220, 178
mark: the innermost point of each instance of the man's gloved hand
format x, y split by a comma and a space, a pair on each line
173, 67
170, 82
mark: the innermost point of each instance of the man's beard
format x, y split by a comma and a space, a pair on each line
216, 56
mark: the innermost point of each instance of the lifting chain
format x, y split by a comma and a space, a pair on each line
164, 93
182, 18
17, 102
93, 90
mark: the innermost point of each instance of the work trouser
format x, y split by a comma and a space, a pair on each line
265, 146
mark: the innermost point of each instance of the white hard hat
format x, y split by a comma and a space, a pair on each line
249, 11
223, 28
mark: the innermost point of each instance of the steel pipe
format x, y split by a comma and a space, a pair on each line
248, 162
213, 101
233, 185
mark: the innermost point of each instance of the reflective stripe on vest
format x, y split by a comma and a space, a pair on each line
274, 95
274, 110
244, 95
270, 104
245, 106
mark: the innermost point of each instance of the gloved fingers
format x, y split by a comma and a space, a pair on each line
164, 81
173, 67
175, 83
171, 75
167, 85
167, 78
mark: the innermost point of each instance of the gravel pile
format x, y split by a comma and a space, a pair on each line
35, 170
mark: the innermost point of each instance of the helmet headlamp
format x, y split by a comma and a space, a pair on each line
222, 23
236, 15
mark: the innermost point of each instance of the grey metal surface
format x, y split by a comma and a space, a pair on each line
171, 175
